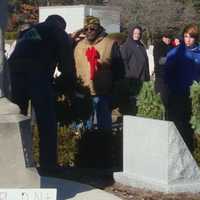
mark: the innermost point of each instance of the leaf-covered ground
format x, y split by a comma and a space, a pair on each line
106, 183
126, 193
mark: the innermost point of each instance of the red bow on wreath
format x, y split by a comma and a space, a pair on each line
92, 56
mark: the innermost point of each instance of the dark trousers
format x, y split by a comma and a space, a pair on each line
128, 91
161, 88
35, 85
179, 111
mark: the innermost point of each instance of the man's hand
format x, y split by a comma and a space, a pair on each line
57, 73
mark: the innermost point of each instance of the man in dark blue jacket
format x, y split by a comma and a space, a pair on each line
38, 50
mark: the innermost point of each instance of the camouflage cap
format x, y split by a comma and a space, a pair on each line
90, 20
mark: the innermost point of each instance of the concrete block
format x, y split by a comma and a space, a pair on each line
7, 107
16, 153
155, 157
16, 162
75, 14
71, 190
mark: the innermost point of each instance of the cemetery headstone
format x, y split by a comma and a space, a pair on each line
156, 157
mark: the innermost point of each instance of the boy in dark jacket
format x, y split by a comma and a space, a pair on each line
32, 63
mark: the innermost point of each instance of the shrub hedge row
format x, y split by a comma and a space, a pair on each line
10, 35
148, 105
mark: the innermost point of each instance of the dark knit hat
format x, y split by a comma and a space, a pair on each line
56, 20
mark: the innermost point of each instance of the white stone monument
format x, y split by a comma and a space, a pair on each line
155, 157
74, 16
16, 159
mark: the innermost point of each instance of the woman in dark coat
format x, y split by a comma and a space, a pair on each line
135, 57
136, 65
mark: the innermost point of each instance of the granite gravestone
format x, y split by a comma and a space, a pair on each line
156, 157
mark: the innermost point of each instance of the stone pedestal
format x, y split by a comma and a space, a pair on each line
155, 157
16, 161
74, 16
8, 108
15, 149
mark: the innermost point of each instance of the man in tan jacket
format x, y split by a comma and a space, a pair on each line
98, 63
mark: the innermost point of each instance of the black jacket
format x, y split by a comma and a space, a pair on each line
117, 64
135, 60
44, 46
160, 50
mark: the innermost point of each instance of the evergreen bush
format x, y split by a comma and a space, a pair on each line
10, 35
67, 145
195, 119
195, 96
196, 152
149, 104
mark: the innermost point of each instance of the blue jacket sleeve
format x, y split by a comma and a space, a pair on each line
170, 66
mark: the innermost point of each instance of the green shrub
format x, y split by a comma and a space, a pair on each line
195, 96
10, 35
67, 146
195, 119
149, 103
196, 152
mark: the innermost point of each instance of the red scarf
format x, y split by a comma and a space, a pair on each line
92, 56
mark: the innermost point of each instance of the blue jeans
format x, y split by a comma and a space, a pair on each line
102, 113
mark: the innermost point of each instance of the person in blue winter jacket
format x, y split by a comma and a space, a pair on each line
182, 67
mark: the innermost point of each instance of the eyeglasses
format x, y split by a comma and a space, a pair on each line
91, 29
